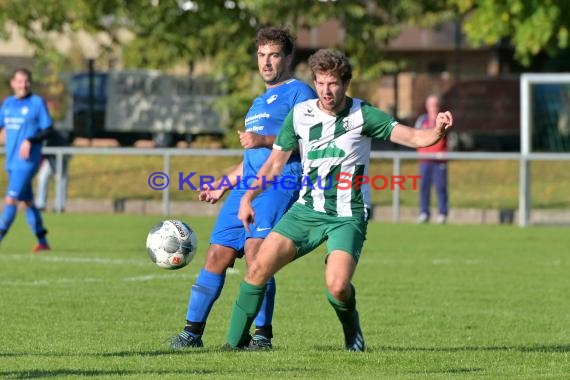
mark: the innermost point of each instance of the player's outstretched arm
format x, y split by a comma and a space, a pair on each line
272, 167
418, 138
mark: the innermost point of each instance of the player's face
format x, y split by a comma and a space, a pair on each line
273, 64
432, 105
20, 84
331, 91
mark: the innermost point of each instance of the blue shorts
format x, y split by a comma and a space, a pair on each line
269, 207
20, 184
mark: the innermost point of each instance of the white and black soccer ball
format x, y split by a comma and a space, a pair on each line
171, 244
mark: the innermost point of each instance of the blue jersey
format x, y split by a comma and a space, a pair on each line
22, 119
265, 117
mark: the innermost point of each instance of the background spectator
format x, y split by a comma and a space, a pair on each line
432, 171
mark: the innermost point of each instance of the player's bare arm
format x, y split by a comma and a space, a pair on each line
212, 193
25, 149
250, 140
272, 167
417, 138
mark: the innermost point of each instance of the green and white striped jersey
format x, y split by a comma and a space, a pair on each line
334, 151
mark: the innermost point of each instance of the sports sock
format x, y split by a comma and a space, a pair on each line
345, 311
34, 218
265, 331
195, 328
245, 309
7, 218
265, 315
204, 293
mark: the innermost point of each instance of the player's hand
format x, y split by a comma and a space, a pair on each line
443, 122
25, 149
211, 196
250, 140
246, 214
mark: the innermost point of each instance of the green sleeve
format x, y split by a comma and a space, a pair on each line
377, 123
287, 138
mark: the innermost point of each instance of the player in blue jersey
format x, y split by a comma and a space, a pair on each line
229, 238
27, 122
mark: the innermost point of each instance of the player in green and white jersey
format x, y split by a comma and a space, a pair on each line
334, 135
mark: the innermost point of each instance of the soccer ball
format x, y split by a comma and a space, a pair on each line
171, 244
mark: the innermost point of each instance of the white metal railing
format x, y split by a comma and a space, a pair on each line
396, 156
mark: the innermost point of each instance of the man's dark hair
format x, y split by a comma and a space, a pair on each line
275, 35
22, 70
331, 60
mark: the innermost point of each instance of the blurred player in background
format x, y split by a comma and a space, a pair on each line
432, 171
229, 238
27, 122
334, 134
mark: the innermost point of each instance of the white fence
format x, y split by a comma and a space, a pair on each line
524, 207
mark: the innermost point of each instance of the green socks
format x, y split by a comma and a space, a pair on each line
345, 311
245, 309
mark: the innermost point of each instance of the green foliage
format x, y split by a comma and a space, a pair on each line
220, 32
531, 26
218, 36
168, 32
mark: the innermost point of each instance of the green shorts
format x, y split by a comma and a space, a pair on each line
308, 229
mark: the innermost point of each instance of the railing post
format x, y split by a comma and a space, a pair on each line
396, 191
524, 191
58, 182
166, 192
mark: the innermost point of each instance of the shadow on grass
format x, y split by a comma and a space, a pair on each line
450, 370
59, 373
126, 354
554, 348
562, 348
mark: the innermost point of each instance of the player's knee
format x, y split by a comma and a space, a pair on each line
10, 201
218, 259
340, 290
257, 274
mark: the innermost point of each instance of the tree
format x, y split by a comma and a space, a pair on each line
219, 34
531, 26
222, 34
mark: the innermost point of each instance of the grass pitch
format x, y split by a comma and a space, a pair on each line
435, 302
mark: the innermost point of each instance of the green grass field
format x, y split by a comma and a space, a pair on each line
435, 302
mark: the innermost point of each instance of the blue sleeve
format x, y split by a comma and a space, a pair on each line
305, 93
287, 139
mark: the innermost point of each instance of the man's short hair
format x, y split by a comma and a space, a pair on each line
333, 61
276, 35
22, 70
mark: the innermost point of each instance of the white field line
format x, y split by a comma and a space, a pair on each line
153, 277
448, 262
96, 260
70, 281
76, 260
